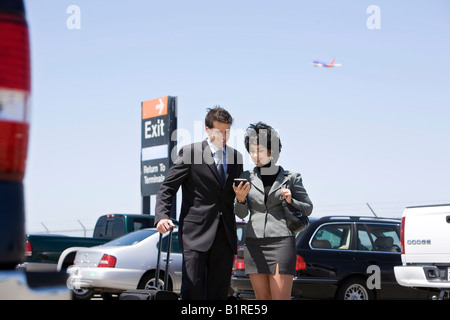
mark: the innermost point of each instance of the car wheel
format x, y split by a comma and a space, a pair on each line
149, 281
82, 294
354, 289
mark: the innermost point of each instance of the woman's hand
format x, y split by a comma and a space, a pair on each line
286, 194
241, 191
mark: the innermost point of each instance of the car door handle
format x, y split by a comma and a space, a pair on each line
165, 259
448, 219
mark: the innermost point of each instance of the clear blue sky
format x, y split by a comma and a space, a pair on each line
374, 130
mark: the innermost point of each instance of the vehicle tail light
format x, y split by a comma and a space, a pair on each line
238, 263
300, 263
107, 261
28, 249
15, 91
402, 235
14, 95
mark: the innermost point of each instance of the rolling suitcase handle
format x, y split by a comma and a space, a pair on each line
166, 273
153, 293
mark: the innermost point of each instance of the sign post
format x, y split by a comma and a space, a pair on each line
159, 121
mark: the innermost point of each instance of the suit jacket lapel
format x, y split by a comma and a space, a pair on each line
281, 179
255, 179
209, 159
231, 161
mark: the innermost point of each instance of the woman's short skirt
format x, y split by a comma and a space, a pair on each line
261, 255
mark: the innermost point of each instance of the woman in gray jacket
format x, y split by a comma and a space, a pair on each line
269, 253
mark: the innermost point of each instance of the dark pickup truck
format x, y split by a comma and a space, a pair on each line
43, 251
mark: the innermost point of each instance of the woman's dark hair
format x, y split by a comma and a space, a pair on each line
217, 114
263, 134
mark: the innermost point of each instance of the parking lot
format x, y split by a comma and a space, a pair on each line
338, 257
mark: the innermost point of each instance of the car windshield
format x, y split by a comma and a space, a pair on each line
131, 238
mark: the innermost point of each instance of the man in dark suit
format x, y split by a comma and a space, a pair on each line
207, 231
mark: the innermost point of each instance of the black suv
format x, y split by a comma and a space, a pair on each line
340, 258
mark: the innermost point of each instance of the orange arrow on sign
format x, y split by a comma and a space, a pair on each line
154, 108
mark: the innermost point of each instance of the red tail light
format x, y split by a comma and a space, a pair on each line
15, 53
28, 249
300, 263
402, 235
238, 263
107, 261
14, 95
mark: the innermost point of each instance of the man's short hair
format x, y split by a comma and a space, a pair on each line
217, 114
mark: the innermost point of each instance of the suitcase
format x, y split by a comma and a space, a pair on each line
154, 293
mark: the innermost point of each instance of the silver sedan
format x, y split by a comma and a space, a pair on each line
128, 262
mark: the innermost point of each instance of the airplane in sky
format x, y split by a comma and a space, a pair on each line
318, 63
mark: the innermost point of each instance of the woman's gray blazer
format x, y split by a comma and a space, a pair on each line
267, 219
